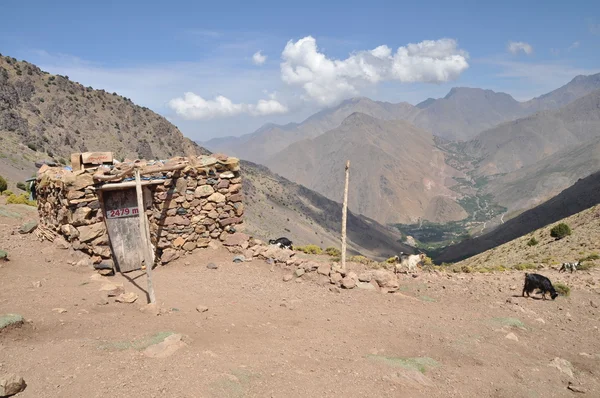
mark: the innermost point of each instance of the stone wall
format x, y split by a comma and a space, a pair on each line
191, 202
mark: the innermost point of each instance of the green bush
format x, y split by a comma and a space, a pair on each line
20, 200
560, 231
21, 186
532, 242
333, 252
593, 256
7, 193
524, 266
309, 249
359, 259
3, 184
562, 289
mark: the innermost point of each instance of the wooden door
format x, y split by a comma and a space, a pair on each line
123, 225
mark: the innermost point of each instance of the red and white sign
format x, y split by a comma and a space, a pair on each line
124, 212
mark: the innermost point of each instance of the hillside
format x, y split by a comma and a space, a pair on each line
270, 139
460, 115
45, 117
581, 244
582, 195
578, 87
531, 185
525, 141
277, 207
397, 172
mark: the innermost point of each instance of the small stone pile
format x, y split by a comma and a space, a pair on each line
193, 201
379, 280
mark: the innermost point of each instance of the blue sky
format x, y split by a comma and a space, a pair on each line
155, 52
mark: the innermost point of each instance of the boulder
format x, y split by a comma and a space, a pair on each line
28, 228
11, 384
189, 246
386, 280
348, 282
324, 269
299, 272
3, 255
8, 320
169, 255
88, 233
236, 239
336, 278
127, 298
217, 197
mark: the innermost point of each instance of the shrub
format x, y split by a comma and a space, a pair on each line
32, 146
593, 256
524, 266
360, 259
391, 260
309, 249
3, 184
562, 289
532, 242
560, 231
20, 200
7, 193
466, 269
21, 186
333, 252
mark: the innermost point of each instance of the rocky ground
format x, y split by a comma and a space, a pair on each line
253, 329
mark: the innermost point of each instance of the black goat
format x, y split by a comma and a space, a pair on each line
283, 243
540, 282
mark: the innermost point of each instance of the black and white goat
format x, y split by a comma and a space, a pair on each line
409, 261
569, 266
540, 282
283, 243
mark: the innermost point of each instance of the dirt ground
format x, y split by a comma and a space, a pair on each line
441, 335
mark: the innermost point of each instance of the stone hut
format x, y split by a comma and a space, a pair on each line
189, 202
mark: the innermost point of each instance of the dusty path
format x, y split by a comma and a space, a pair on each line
262, 337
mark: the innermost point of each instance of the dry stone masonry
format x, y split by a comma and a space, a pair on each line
193, 201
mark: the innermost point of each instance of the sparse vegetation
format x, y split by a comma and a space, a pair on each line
532, 242
309, 249
7, 193
560, 231
333, 252
562, 289
3, 184
524, 266
21, 185
360, 259
20, 200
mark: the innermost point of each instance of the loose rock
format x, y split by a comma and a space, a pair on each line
165, 348
7, 320
201, 308
28, 228
299, 272
563, 365
288, 277
239, 259
127, 298
11, 384
212, 266
59, 310
512, 336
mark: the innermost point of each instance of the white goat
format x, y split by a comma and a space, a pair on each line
409, 261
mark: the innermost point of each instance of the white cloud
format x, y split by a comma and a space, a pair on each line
258, 58
327, 81
194, 107
574, 45
514, 47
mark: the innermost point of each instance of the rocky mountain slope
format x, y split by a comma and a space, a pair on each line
460, 115
278, 207
581, 244
270, 139
531, 185
397, 172
582, 195
44, 116
525, 141
51, 114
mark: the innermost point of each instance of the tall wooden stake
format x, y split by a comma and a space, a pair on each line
344, 216
145, 235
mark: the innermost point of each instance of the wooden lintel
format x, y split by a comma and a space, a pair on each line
128, 184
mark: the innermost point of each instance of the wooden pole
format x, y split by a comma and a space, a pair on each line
344, 216
145, 235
